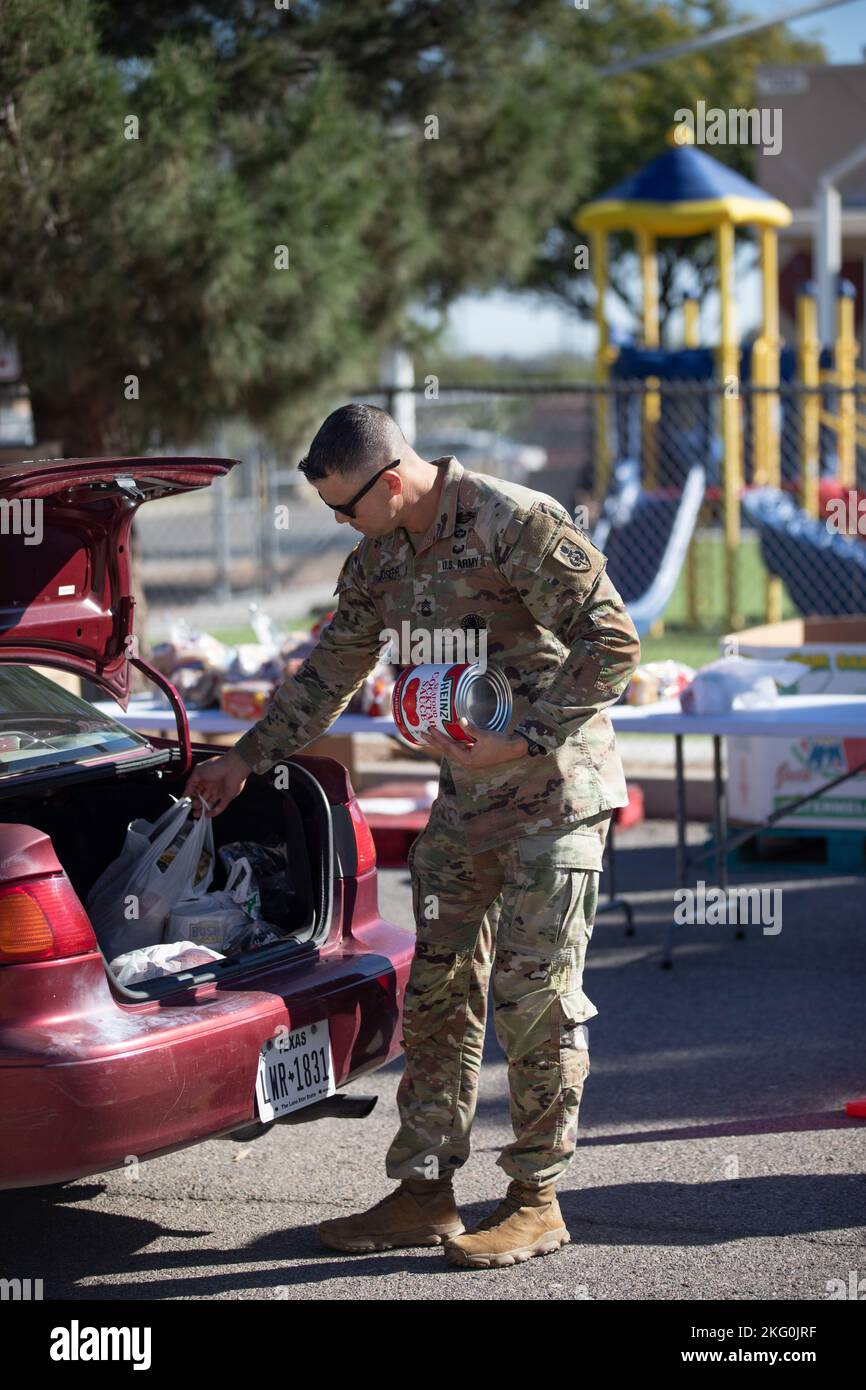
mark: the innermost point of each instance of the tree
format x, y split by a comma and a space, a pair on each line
636, 111
230, 208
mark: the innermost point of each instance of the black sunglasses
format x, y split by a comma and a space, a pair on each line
348, 508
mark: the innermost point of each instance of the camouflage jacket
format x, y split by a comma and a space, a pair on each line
510, 560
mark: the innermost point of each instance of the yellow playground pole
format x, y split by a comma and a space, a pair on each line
728, 355
598, 254
652, 399
846, 376
768, 463
691, 339
650, 281
691, 323
808, 352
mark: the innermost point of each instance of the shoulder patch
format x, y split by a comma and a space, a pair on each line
532, 535
573, 555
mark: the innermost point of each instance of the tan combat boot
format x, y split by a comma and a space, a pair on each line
527, 1222
420, 1211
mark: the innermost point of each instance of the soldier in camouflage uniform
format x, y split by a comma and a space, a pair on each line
505, 877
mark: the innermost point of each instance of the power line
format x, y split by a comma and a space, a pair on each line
717, 36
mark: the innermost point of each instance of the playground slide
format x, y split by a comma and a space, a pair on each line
645, 537
823, 571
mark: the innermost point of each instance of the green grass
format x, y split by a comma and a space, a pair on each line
697, 646
234, 636
710, 570
693, 648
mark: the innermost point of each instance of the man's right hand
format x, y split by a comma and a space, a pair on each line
217, 781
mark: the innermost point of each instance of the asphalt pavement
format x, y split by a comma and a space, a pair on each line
715, 1158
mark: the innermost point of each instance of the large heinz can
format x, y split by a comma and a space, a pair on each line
436, 697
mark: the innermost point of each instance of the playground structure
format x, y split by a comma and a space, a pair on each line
645, 536
765, 415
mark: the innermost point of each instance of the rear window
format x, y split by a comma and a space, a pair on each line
42, 725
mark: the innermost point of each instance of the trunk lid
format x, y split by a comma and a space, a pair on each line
65, 564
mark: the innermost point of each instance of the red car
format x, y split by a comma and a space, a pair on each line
93, 1075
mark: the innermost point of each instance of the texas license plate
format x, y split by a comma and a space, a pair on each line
295, 1069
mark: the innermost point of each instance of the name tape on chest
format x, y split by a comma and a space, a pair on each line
390, 573
462, 562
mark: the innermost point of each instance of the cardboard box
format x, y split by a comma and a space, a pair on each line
763, 773
833, 650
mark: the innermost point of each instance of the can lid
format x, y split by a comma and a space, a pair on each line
484, 697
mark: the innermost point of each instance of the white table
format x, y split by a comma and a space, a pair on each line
795, 716
798, 716
151, 716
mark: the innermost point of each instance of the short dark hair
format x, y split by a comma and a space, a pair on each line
350, 439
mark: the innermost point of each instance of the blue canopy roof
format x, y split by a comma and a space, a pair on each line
684, 191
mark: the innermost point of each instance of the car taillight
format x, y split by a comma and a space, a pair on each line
42, 919
364, 843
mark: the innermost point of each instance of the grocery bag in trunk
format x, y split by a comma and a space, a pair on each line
214, 919
159, 865
152, 962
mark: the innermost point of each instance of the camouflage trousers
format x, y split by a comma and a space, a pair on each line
522, 913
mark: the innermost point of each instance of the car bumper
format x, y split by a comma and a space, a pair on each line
114, 1086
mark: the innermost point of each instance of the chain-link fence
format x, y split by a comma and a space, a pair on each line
263, 536
258, 536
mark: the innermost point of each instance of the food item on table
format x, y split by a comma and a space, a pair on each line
657, 680
246, 699
241, 680
197, 684
187, 647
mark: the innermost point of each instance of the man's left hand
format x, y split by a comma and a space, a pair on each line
486, 750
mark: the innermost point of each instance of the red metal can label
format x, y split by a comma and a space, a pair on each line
436, 696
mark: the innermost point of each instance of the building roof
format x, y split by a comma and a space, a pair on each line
823, 118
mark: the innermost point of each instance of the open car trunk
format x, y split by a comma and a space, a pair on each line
87, 824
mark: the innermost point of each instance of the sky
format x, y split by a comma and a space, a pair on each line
526, 326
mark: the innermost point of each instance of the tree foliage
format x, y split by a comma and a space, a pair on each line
403, 152
636, 111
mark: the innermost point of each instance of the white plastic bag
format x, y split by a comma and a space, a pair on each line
738, 682
159, 865
214, 919
150, 962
